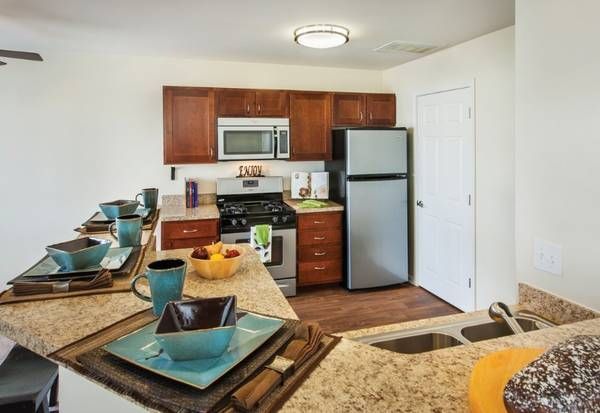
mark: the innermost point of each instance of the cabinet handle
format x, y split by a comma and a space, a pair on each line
320, 254
248, 108
318, 222
212, 153
361, 116
319, 238
319, 268
258, 107
370, 115
189, 231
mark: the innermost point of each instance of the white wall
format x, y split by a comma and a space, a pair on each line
76, 130
558, 143
490, 61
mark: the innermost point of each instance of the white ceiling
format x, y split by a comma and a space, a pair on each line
251, 31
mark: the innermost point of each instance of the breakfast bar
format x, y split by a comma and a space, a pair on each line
353, 377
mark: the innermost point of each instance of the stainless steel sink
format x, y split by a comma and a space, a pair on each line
421, 340
492, 329
418, 344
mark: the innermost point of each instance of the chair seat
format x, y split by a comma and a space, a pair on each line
25, 377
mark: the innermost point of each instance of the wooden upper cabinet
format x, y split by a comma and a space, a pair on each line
189, 125
271, 103
349, 109
234, 103
381, 109
247, 102
310, 126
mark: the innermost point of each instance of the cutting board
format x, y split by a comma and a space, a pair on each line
490, 375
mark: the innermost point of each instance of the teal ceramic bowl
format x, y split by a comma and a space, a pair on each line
117, 208
79, 254
197, 329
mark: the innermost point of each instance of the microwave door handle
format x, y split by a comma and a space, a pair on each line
275, 146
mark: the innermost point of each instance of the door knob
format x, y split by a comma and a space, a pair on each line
420, 204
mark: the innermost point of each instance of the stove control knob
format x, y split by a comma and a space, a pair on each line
234, 222
284, 218
275, 220
244, 222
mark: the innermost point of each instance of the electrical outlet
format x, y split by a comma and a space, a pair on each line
547, 256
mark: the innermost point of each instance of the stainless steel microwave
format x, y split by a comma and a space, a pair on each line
253, 138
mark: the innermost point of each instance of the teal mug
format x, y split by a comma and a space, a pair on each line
129, 230
165, 278
149, 198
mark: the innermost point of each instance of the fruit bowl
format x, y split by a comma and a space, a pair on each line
218, 269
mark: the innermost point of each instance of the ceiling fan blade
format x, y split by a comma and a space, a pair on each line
2, 63
20, 55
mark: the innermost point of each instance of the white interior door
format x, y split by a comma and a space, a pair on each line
445, 172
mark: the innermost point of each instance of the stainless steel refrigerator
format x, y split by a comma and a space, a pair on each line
368, 175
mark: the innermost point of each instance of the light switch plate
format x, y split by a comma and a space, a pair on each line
547, 256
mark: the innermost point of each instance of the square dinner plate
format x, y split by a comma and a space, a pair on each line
141, 348
114, 260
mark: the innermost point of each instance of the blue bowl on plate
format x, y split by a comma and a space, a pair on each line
120, 207
79, 254
197, 329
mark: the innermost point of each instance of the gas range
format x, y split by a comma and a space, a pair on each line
240, 212
245, 202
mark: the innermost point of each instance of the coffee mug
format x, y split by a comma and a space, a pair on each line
129, 230
165, 278
149, 198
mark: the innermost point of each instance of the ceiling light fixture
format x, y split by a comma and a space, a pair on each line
321, 36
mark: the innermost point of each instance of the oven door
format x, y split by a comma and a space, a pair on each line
283, 256
246, 142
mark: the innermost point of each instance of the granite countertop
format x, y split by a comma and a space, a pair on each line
331, 207
353, 377
359, 377
46, 326
181, 213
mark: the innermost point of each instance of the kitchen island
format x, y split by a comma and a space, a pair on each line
353, 377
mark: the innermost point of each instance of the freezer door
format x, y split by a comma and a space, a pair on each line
377, 233
378, 151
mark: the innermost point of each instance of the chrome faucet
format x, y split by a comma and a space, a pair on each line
500, 313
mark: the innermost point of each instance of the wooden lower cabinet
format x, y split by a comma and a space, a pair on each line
189, 234
319, 254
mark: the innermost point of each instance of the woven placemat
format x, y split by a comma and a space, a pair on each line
89, 227
121, 283
89, 347
163, 394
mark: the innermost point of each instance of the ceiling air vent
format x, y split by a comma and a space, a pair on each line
400, 46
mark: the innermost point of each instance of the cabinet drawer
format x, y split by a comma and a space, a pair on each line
173, 244
328, 236
206, 228
322, 272
319, 221
320, 253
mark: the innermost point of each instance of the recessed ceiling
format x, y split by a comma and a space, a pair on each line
250, 31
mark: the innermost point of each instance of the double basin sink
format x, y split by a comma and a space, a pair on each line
421, 340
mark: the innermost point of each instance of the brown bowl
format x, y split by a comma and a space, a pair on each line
217, 270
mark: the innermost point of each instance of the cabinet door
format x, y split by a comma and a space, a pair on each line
189, 125
235, 102
272, 103
310, 126
381, 109
349, 109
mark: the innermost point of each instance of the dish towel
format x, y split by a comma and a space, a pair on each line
260, 239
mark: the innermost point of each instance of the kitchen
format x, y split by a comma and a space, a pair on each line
84, 111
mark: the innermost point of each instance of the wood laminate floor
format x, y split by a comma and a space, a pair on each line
338, 309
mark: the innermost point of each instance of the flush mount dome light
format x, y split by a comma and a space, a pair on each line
321, 36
